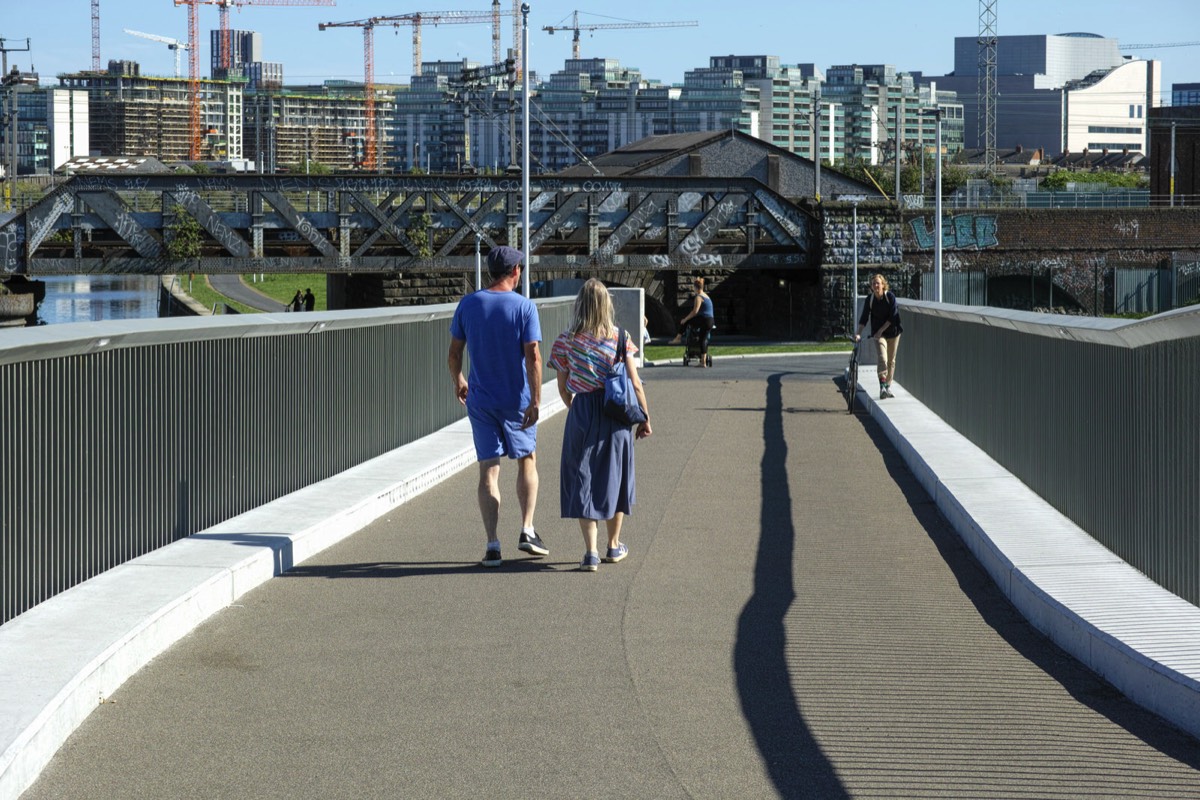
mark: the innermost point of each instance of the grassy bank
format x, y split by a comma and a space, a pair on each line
284, 287
203, 293
277, 287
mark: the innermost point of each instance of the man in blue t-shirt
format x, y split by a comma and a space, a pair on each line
501, 330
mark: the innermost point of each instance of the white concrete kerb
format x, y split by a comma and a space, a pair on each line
1108, 615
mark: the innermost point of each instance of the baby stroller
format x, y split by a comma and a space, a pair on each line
694, 345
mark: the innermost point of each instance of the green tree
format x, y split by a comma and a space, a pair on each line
953, 176
1057, 181
314, 168
418, 230
183, 243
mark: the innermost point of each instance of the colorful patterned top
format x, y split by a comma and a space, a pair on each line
586, 359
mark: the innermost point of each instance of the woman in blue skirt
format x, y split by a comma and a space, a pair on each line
596, 473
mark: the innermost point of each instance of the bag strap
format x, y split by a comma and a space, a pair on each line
619, 356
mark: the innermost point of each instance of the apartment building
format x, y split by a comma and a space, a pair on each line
43, 127
133, 114
326, 123
245, 60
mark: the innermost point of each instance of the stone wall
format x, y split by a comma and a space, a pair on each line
405, 289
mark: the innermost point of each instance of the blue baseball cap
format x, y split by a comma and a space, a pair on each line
502, 259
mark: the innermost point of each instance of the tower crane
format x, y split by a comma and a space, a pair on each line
193, 48
419, 18
96, 35
576, 27
370, 160
175, 45
1157, 46
415, 20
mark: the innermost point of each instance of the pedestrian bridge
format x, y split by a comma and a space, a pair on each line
817, 605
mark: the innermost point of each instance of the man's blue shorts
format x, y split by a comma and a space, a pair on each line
497, 432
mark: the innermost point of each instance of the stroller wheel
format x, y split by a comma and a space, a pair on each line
709, 359
686, 360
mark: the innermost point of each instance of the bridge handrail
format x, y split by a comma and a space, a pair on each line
1095, 415
108, 425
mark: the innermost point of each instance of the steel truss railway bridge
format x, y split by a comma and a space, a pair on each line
241, 224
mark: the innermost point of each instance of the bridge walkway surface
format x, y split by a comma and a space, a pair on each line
795, 619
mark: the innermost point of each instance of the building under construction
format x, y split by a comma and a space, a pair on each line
289, 129
133, 114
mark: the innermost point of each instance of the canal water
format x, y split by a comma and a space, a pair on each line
97, 298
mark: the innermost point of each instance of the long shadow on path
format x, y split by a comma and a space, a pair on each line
796, 765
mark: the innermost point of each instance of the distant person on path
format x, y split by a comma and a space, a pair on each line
596, 476
297, 303
501, 330
700, 318
882, 310
310, 300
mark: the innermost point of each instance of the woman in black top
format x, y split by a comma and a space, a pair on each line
884, 314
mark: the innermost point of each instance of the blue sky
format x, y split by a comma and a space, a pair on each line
912, 36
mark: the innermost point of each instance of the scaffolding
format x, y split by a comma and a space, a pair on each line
150, 115
287, 130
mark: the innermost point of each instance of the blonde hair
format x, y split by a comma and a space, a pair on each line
881, 278
593, 313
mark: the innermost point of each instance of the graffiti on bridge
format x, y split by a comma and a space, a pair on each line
962, 231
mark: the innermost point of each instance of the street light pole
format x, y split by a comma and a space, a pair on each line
1172, 166
936, 113
854, 200
817, 141
854, 274
525, 154
478, 262
937, 204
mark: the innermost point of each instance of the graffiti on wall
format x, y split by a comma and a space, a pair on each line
962, 231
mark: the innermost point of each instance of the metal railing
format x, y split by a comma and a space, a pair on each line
1098, 416
121, 437
1128, 198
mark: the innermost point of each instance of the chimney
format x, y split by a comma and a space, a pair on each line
1020, 149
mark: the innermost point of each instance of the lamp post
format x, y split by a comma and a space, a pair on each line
478, 262
854, 199
525, 154
817, 142
1171, 183
936, 113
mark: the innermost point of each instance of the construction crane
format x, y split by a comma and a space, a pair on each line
96, 35
1157, 46
193, 48
370, 159
415, 20
419, 18
576, 27
174, 45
